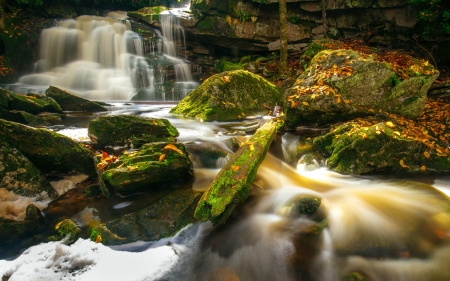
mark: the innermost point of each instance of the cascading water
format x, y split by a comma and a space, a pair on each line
100, 58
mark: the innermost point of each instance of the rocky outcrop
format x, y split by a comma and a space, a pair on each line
31, 104
47, 150
69, 102
126, 130
386, 143
341, 85
230, 95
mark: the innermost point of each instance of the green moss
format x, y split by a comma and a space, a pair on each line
206, 24
66, 229
69, 102
230, 96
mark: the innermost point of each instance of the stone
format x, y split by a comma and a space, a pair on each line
123, 130
47, 150
230, 95
19, 175
67, 230
341, 85
161, 219
69, 102
154, 165
31, 104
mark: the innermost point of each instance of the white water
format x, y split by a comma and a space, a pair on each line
386, 230
100, 58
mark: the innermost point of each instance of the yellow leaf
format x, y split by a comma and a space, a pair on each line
305, 103
58, 225
98, 239
174, 148
347, 101
390, 124
132, 168
403, 164
226, 78
252, 147
397, 133
121, 165
426, 154
235, 168
378, 132
161, 157
423, 168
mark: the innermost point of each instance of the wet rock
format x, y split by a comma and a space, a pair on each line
383, 144
341, 85
69, 102
66, 229
230, 95
153, 165
22, 117
12, 231
147, 14
31, 104
123, 130
47, 150
19, 175
158, 220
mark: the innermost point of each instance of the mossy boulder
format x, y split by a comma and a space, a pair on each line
341, 85
383, 144
12, 231
19, 175
147, 14
31, 104
123, 130
66, 229
230, 95
22, 117
47, 150
155, 164
161, 219
70, 102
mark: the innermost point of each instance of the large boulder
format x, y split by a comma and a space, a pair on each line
230, 95
154, 165
341, 85
23, 117
47, 150
19, 175
124, 130
383, 144
69, 102
161, 219
31, 104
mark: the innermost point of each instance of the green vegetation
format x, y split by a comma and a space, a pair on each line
433, 16
133, 3
243, 15
294, 19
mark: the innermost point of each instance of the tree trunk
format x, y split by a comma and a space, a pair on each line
324, 18
283, 37
232, 184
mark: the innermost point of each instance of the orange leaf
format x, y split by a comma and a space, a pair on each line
235, 168
403, 164
104, 154
161, 157
426, 154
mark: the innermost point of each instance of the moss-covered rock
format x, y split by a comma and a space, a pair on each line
161, 219
383, 144
66, 229
122, 130
155, 164
19, 175
230, 96
354, 276
47, 150
341, 85
69, 102
23, 117
147, 14
31, 104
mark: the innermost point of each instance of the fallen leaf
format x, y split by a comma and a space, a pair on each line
161, 157
426, 154
423, 168
403, 164
235, 168
390, 124
226, 78
305, 103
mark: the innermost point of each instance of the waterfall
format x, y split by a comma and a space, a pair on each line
101, 58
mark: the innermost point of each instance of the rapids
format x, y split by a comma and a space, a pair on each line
394, 228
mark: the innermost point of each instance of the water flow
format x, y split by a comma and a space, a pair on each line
94, 57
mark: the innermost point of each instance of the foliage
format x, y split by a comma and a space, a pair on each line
433, 16
243, 15
132, 3
294, 19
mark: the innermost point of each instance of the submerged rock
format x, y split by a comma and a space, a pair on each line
69, 102
163, 218
383, 144
155, 164
31, 104
123, 130
47, 150
230, 95
19, 175
341, 85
